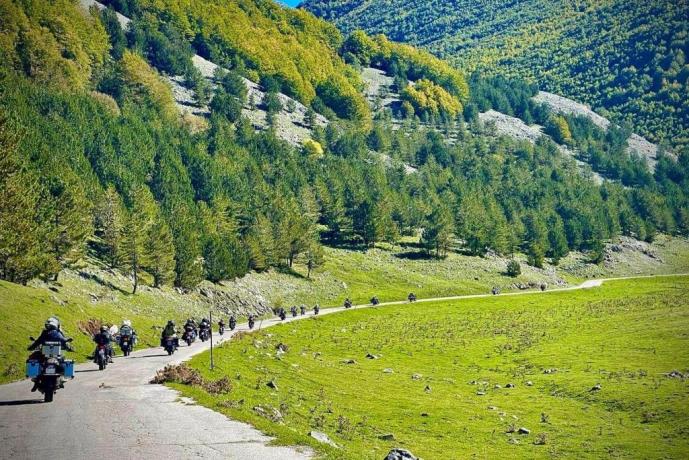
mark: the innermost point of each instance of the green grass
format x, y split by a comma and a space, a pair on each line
382, 272
24, 309
624, 335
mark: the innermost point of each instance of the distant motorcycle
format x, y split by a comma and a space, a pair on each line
374, 301
316, 310
101, 357
495, 291
251, 322
170, 345
294, 312
411, 297
189, 335
126, 344
205, 334
221, 328
233, 323
348, 303
49, 369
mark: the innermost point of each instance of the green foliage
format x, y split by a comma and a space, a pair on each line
514, 268
628, 57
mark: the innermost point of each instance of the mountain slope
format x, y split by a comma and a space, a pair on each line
628, 57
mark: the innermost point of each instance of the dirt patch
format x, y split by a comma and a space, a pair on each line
185, 375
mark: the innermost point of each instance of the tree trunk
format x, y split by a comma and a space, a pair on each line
136, 280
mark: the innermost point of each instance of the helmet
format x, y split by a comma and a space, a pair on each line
171, 323
126, 322
104, 328
52, 323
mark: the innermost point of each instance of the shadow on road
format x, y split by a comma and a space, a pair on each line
87, 370
21, 402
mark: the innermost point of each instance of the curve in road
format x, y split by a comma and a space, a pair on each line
117, 413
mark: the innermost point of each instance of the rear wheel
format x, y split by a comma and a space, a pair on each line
49, 391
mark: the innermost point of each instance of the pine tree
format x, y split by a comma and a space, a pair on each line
136, 232
110, 217
437, 234
21, 255
66, 213
160, 252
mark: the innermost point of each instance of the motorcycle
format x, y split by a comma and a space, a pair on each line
375, 301
412, 298
126, 344
233, 324
101, 357
294, 312
316, 309
251, 323
189, 335
170, 345
205, 334
221, 328
48, 369
348, 303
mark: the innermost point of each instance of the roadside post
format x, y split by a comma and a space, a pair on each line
211, 327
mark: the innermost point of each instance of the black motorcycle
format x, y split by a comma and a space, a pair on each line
375, 301
189, 335
170, 345
126, 344
251, 323
294, 312
316, 309
233, 324
412, 298
48, 369
283, 315
101, 357
205, 334
348, 303
221, 328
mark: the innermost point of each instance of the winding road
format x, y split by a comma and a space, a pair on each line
117, 413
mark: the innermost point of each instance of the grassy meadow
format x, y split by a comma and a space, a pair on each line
589, 370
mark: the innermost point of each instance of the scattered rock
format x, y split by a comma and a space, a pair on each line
349, 361
416, 376
427, 389
497, 386
529, 383
509, 385
371, 356
272, 385
271, 413
323, 438
387, 437
492, 408
513, 441
387, 370
675, 375
54, 289
550, 371
480, 393
523, 430
281, 347
424, 414
596, 387
400, 454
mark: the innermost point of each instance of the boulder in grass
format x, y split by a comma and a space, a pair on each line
323, 438
401, 454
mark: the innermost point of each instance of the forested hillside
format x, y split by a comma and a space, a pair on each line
96, 160
628, 57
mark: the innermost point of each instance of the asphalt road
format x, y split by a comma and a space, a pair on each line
117, 413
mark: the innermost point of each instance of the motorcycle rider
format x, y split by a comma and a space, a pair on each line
293, 310
51, 333
221, 324
169, 331
282, 314
411, 297
302, 310
316, 309
104, 338
126, 330
233, 322
374, 301
347, 303
205, 325
252, 319
190, 324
